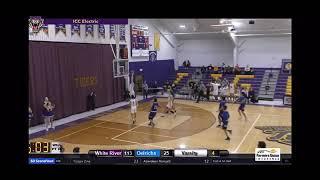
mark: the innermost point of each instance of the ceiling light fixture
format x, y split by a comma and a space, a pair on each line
182, 26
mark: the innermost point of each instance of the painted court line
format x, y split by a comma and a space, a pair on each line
78, 131
130, 130
245, 136
133, 142
267, 114
138, 132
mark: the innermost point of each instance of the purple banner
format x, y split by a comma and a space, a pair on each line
89, 30
45, 29
86, 21
60, 27
75, 29
101, 31
112, 31
122, 32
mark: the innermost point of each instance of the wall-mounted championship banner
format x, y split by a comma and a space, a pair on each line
286, 65
122, 32
75, 29
101, 31
61, 27
89, 30
152, 56
112, 31
44, 28
156, 41
139, 41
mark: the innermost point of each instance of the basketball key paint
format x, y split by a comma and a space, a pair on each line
85, 81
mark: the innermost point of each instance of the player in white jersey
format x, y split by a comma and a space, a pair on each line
134, 106
170, 105
231, 90
224, 91
215, 90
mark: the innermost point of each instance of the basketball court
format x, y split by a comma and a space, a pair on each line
193, 127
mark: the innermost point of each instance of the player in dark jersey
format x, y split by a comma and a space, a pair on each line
220, 110
153, 111
242, 100
225, 120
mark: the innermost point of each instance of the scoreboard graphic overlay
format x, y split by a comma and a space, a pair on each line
48, 153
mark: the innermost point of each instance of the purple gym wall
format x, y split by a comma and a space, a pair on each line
53, 68
158, 71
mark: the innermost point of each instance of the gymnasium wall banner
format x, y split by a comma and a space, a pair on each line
44, 28
152, 56
60, 27
139, 41
89, 30
75, 29
122, 32
286, 65
156, 41
101, 31
112, 31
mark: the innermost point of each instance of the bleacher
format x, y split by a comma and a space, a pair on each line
183, 75
282, 85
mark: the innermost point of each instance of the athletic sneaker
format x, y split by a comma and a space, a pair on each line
149, 123
152, 124
219, 125
227, 139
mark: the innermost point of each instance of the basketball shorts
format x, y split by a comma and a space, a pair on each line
134, 109
224, 125
241, 107
152, 115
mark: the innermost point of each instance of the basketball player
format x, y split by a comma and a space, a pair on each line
170, 105
242, 100
215, 87
231, 90
153, 111
224, 90
225, 120
220, 110
48, 113
134, 105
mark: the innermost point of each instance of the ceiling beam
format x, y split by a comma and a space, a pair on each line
274, 34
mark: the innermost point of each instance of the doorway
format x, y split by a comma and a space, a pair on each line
138, 81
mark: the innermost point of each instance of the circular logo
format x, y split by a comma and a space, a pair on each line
288, 66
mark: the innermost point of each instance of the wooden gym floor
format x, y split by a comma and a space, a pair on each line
194, 126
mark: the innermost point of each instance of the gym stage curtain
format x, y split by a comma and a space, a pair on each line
67, 73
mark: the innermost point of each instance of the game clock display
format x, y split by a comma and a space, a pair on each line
39, 147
